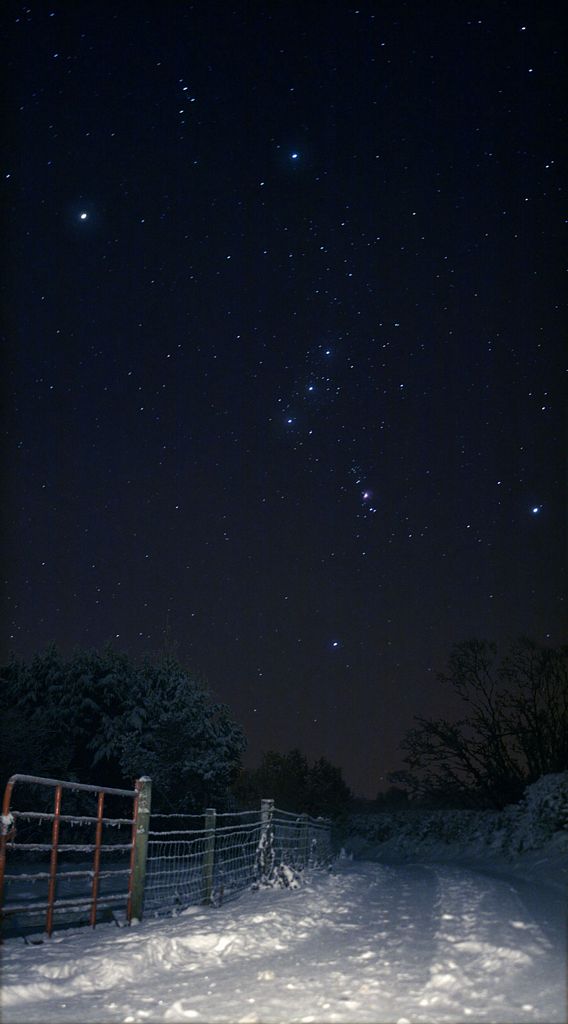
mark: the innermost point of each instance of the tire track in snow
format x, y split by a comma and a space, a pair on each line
490, 954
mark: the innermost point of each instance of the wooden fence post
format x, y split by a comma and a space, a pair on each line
305, 840
209, 854
142, 828
266, 813
266, 855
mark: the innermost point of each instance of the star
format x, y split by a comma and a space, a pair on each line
83, 215
536, 509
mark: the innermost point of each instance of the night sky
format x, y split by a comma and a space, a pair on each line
284, 336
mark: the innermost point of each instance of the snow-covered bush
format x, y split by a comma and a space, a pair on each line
542, 813
287, 878
282, 877
540, 818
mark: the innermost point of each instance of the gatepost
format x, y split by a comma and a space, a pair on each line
143, 787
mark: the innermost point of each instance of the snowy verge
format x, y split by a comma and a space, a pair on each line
528, 840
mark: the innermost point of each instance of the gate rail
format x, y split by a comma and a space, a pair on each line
136, 847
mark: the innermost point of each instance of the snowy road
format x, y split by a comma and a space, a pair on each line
367, 943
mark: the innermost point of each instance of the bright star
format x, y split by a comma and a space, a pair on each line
294, 156
536, 509
83, 215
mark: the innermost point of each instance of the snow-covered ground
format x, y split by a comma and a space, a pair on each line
367, 942
425, 937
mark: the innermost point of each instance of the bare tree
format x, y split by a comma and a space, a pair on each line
515, 726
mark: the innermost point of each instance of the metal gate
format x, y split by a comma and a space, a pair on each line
92, 901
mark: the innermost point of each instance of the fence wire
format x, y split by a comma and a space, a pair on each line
216, 861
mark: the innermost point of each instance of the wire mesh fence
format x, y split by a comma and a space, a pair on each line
212, 858
302, 841
208, 859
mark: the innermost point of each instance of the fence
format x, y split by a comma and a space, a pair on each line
213, 857
169, 862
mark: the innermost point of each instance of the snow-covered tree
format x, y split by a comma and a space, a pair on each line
174, 732
98, 717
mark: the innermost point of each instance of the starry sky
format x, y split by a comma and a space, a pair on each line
284, 348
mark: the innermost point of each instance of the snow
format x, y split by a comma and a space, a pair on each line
527, 840
422, 938
367, 942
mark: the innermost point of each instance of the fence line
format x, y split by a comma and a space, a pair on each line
216, 863
211, 859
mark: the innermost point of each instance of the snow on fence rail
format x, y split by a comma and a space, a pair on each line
169, 862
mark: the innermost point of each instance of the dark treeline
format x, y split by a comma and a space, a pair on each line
295, 785
97, 716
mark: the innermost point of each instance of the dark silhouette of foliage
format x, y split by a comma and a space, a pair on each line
98, 717
392, 800
295, 785
515, 727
